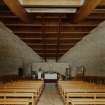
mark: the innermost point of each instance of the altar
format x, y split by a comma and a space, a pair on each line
50, 77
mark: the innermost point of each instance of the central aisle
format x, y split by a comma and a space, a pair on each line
50, 96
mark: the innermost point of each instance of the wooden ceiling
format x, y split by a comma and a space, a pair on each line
51, 3
52, 35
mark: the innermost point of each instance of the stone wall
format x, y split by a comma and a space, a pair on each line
89, 52
14, 53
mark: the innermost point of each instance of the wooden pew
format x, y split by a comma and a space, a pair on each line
13, 102
83, 98
38, 85
25, 85
29, 97
22, 90
88, 102
79, 92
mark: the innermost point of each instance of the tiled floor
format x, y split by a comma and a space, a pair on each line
50, 96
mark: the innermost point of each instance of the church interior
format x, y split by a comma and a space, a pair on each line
52, 52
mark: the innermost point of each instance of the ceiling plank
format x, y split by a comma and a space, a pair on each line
17, 9
102, 3
53, 25
86, 9
51, 3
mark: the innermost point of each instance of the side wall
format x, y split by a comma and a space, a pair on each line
14, 53
89, 52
